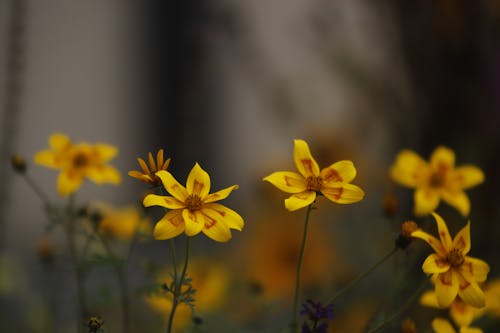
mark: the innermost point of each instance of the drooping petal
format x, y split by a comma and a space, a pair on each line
104, 174
442, 157
467, 176
46, 158
444, 234
343, 193
215, 226
435, 264
105, 151
163, 201
217, 211
300, 200
426, 201
446, 288
474, 269
170, 226
172, 186
198, 182
457, 199
341, 171
58, 141
429, 298
304, 161
440, 325
219, 195
287, 181
431, 240
470, 292
462, 239
409, 169
193, 220
68, 183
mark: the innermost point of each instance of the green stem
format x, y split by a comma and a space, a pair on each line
38, 191
293, 323
178, 287
174, 259
362, 276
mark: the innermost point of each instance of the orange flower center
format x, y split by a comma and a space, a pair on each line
80, 160
438, 177
193, 202
455, 258
314, 183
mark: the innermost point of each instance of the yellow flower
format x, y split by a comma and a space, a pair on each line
332, 182
441, 325
193, 209
122, 223
492, 293
77, 161
148, 174
452, 271
436, 180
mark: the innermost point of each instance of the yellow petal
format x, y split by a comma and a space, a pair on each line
139, 175
444, 234
300, 200
219, 195
163, 201
440, 325
442, 157
68, 183
59, 141
215, 226
287, 181
462, 313
474, 270
470, 292
194, 221
470, 330
152, 162
144, 166
343, 193
232, 219
457, 199
467, 176
426, 201
105, 151
159, 159
435, 264
172, 186
104, 174
46, 158
446, 285
304, 161
462, 239
198, 182
429, 299
170, 226
342, 171
431, 240
409, 169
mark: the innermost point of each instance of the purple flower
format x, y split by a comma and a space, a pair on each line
316, 312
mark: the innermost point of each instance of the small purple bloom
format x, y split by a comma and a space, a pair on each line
316, 312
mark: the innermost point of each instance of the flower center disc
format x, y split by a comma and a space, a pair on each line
314, 183
80, 160
455, 258
193, 202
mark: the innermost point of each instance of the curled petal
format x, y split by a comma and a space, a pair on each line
304, 161
342, 171
46, 158
435, 264
446, 288
431, 240
163, 201
343, 193
68, 183
426, 201
440, 325
300, 200
457, 199
444, 234
409, 169
442, 157
58, 141
474, 270
462, 239
219, 195
215, 226
198, 182
287, 181
170, 226
467, 176
172, 186
193, 220
470, 292
217, 211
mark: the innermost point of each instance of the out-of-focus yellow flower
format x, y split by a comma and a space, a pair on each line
492, 293
452, 271
122, 223
77, 161
193, 209
436, 180
148, 174
440, 325
332, 182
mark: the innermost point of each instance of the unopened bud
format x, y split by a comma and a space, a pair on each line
18, 163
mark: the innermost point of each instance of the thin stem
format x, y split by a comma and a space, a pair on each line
38, 191
293, 323
178, 287
362, 276
402, 309
174, 259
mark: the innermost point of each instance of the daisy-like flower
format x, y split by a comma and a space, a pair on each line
77, 161
193, 209
453, 272
332, 182
148, 174
440, 325
436, 180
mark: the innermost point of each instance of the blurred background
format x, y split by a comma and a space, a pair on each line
230, 84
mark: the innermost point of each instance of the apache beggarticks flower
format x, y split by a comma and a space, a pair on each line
436, 180
193, 209
77, 161
332, 182
453, 272
148, 174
